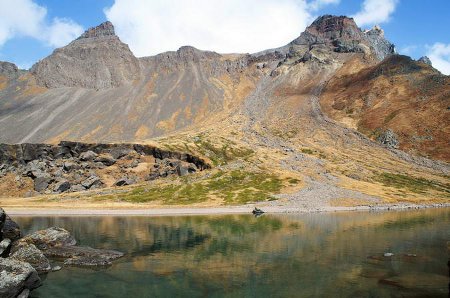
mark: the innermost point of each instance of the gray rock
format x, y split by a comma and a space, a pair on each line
389, 139
28, 252
42, 183
51, 237
11, 229
83, 256
77, 188
62, 186
25, 294
9, 70
88, 156
56, 268
92, 182
16, 276
70, 166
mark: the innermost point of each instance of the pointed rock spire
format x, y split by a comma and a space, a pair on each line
102, 30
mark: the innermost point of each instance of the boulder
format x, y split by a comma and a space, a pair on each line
388, 139
51, 237
88, 156
83, 256
28, 252
124, 182
2, 221
62, 186
42, 183
16, 277
91, 182
11, 229
70, 166
106, 159
77, 188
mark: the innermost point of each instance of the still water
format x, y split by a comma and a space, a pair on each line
302, 255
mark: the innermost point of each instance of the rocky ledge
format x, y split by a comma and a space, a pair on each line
74, 166
24, 260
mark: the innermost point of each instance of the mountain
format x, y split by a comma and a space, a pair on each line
331, 108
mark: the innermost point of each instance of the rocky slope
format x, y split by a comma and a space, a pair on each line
305, 110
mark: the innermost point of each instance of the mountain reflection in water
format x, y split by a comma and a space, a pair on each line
302, 255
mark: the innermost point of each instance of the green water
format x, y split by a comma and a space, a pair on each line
309, 255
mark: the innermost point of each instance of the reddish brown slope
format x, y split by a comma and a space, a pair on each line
410, 98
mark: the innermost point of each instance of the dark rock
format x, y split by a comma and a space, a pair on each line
11, 229
83, 256
257, 211
118, 153
28, 252
2, 221
92, 182
62, 186
51, 237
124, 182
17, 276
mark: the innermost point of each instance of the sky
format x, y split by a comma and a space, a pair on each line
31, 29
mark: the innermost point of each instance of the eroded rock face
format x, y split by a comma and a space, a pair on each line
96, 60
16, 276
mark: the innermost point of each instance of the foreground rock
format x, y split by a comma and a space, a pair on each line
29, 253
17, 277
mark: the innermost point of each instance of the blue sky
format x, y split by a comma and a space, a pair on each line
31, 29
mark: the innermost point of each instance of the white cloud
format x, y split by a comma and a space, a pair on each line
408, 50
439, 55
375, 12
155, 26
27, 18
318, 4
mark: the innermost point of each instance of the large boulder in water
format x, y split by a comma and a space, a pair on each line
51, 237
17, 277
28, 252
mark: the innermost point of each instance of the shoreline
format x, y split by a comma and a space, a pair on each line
189, 211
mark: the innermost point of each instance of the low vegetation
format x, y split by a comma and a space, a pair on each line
233, 188
413, 184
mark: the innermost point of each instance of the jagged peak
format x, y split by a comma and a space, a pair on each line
103, 30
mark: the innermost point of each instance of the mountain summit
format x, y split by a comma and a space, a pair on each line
96, 60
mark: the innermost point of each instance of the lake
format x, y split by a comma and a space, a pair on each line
292, 255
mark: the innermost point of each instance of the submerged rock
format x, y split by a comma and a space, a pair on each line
83, 256
16, 277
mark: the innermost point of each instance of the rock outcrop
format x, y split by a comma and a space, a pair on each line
73, 167
425, 60
96, 60
17, 277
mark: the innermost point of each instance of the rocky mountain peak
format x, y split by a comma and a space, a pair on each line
342, 35
425, 60
102, 30
332, 27
96, 60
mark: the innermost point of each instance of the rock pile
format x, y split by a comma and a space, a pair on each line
23, 260
73, 166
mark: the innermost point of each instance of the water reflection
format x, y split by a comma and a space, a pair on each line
243, 256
